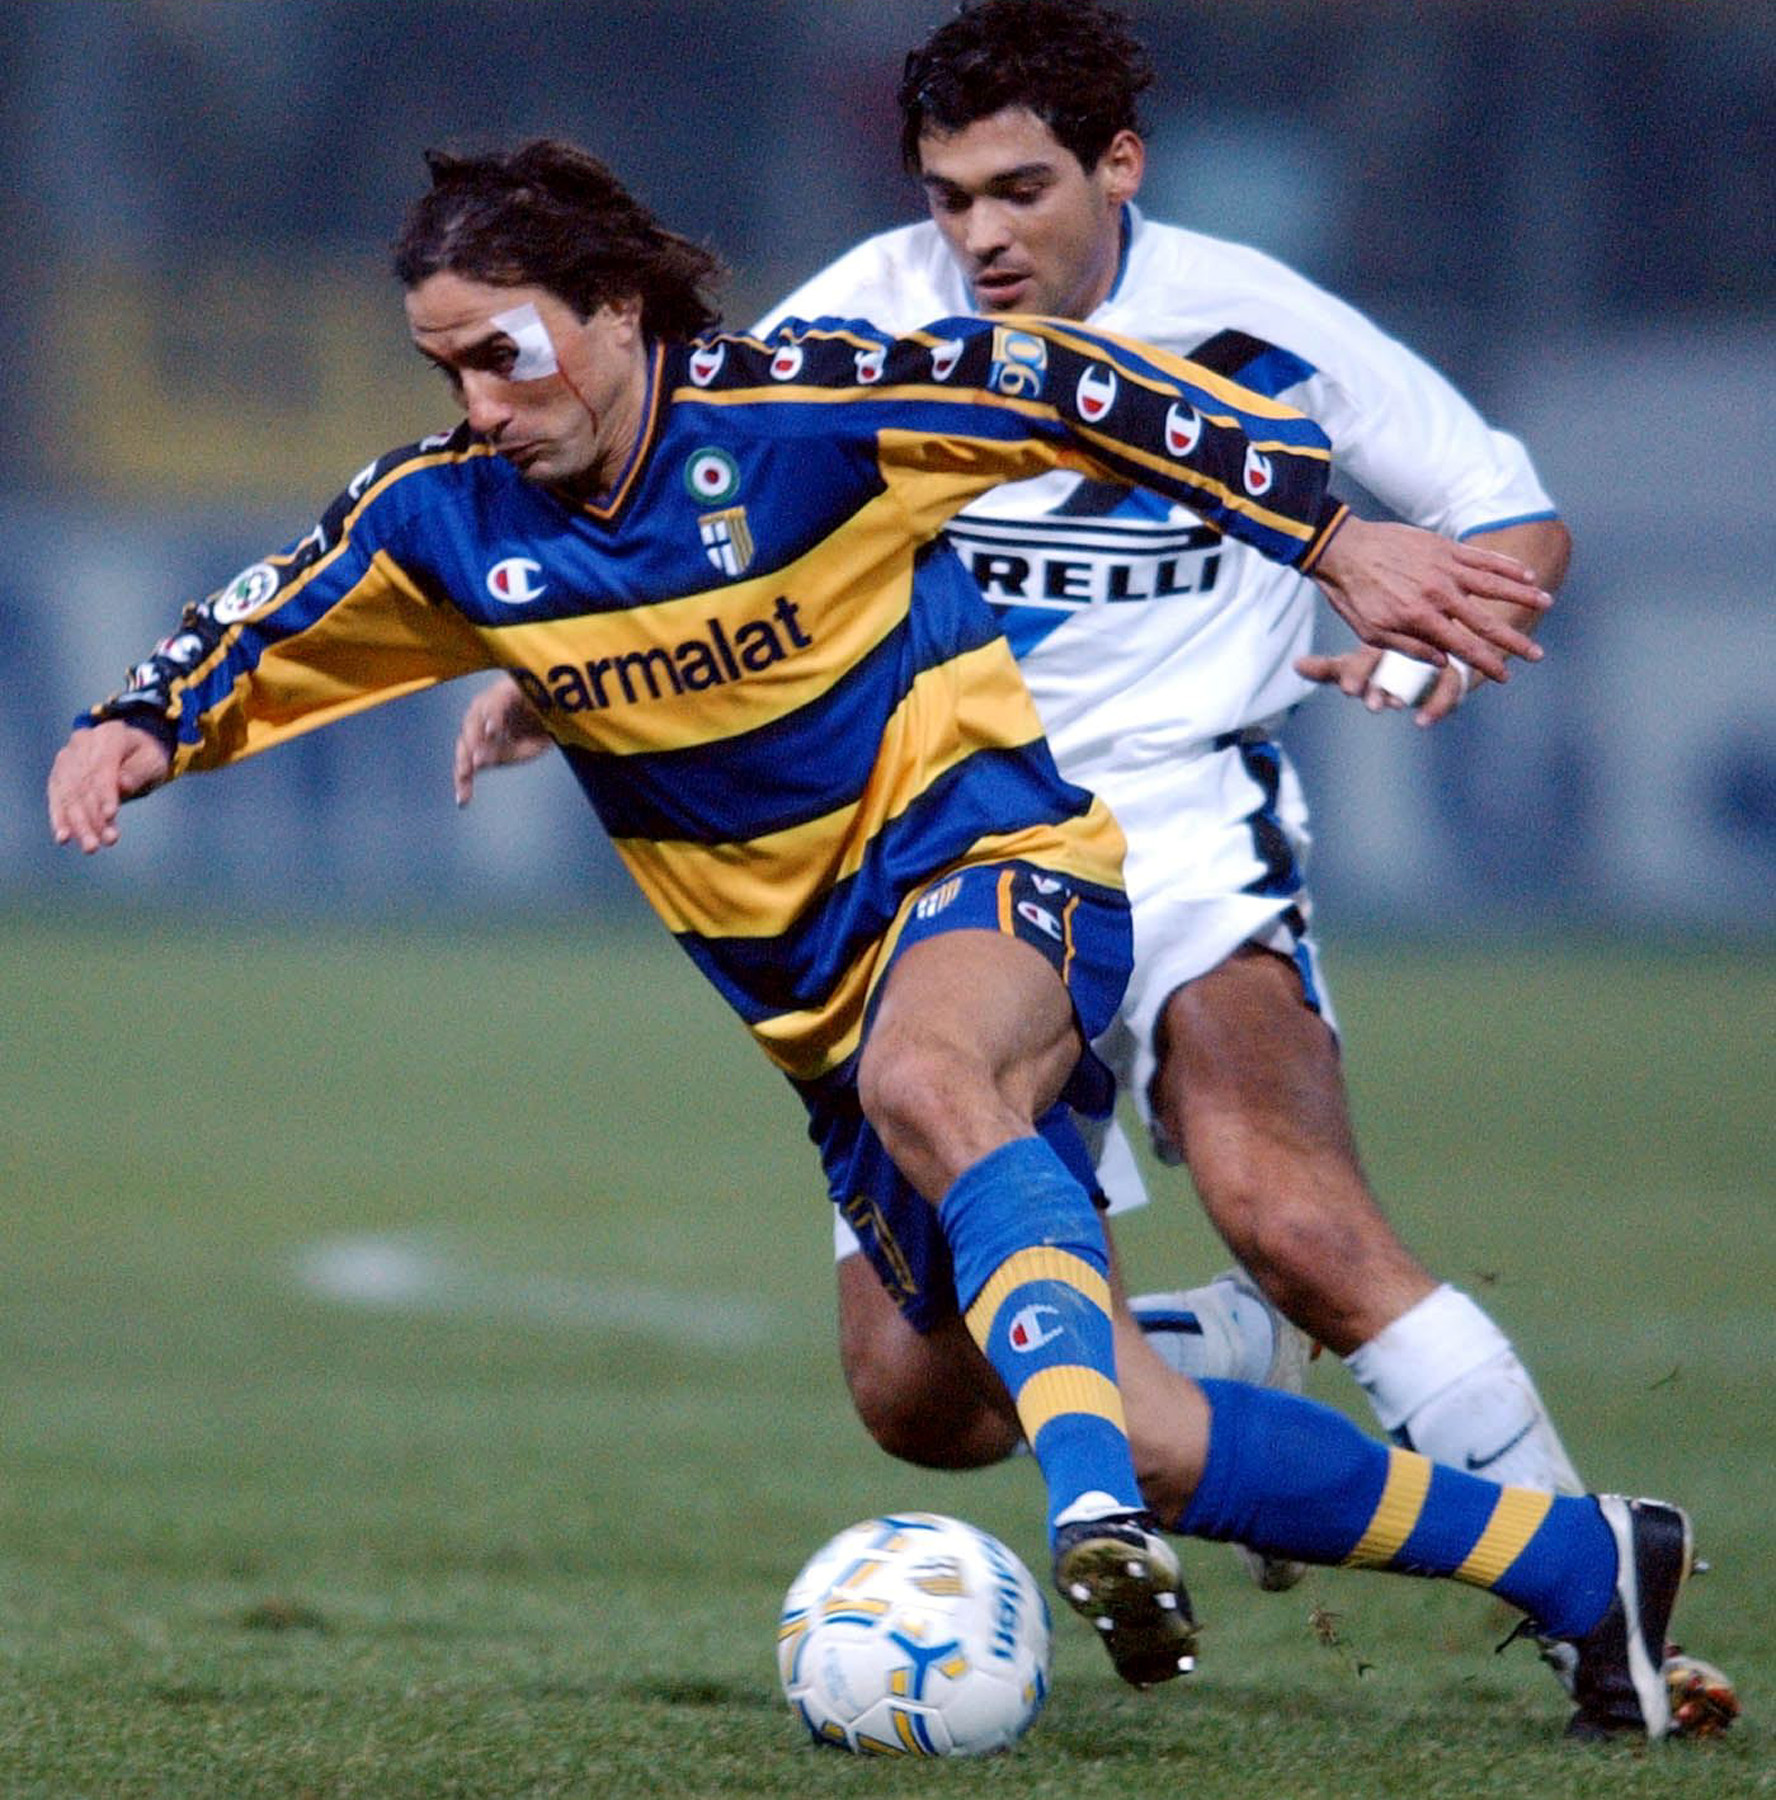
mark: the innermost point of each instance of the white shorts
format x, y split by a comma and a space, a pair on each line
1217, 854
1217, 858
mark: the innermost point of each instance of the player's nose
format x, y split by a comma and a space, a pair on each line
486, 407
987, 233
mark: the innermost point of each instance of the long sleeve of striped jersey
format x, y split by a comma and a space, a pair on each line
440, 559
328, 626
1255, 468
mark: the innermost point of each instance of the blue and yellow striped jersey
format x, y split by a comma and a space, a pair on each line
785, 700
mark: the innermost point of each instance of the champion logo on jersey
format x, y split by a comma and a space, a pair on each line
786, 364
1030, 1330
727, 539
711, 475
1047, 884
1096, 394
1041, 918
513, 581
181, 649
944, 358
706, 362
1184, 429
870, 364
1020, 364
1259, 476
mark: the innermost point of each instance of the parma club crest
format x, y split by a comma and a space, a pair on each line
727, 539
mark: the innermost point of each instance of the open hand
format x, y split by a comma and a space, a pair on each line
1400, 588
99, 768
499, 728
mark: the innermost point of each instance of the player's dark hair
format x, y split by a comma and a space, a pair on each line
1073, 63
551, 215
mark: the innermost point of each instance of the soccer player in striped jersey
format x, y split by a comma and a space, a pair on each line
714, 565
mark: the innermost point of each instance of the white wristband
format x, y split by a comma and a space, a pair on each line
1409, 681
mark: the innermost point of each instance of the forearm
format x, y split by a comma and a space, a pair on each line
1543, 546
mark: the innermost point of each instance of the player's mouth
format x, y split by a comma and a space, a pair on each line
1002, 290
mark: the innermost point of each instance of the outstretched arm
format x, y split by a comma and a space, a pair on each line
99, 768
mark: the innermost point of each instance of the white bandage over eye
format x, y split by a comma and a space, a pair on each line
536, 349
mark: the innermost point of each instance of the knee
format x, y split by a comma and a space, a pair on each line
931, 1426
908, 1089
927, 1400
900, 1082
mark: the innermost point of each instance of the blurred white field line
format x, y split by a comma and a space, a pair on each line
413, 1272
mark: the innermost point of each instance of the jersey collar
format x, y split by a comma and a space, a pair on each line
1131, 221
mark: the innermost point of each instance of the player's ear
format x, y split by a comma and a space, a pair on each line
627, 314
1121, 167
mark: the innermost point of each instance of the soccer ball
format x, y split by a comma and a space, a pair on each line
914, 1635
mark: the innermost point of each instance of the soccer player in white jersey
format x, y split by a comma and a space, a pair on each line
1163, 659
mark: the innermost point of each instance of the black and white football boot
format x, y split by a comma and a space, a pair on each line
1119, 1573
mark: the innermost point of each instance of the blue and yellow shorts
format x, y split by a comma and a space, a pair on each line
1084, 932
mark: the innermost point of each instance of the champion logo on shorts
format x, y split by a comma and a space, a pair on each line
1029, 1329
1041, 918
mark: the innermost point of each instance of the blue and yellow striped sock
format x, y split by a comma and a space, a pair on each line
1031, 1277
1295, 1479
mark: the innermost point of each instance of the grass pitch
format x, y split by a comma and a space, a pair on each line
419, 1378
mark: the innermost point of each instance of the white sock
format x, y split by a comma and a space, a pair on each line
1444, 1380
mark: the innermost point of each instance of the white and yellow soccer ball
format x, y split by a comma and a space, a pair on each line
914, 1635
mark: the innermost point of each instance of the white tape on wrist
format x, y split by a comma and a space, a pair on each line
1410, 681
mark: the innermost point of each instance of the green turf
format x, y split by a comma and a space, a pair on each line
254, 1541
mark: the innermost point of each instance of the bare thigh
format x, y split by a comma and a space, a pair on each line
1251, 1091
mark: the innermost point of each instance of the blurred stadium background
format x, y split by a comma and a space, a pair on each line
1571, 207
378, 1396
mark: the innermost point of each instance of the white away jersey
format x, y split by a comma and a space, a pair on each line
1142, 632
